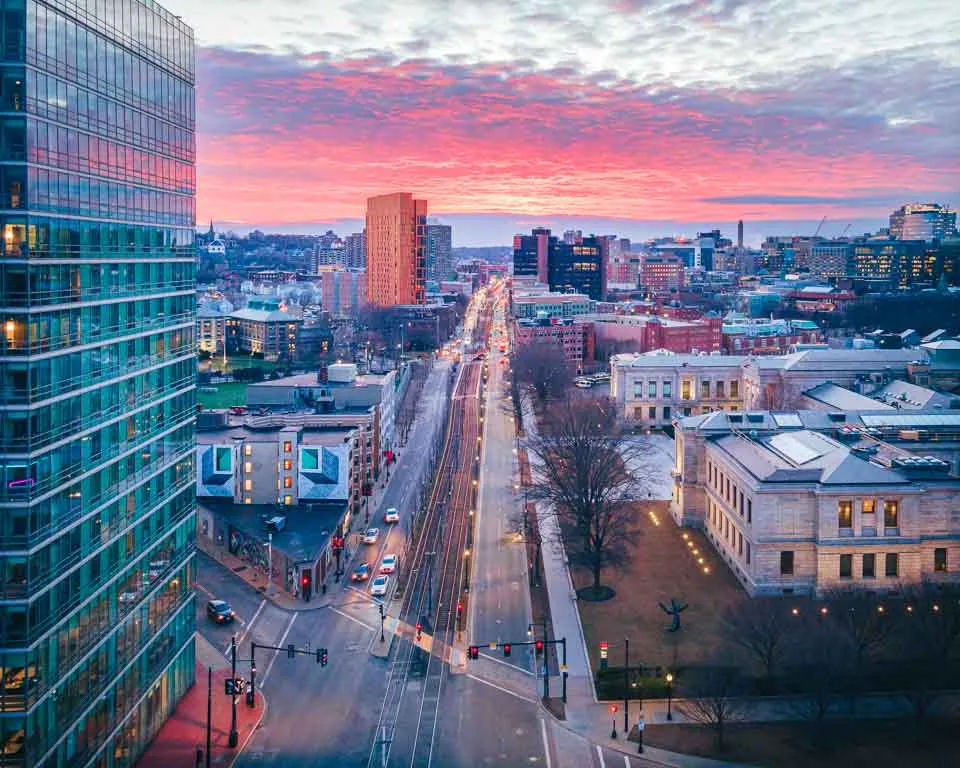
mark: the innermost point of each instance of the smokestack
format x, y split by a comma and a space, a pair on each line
740, 234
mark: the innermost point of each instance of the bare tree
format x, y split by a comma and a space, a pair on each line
823, 656
712, 697
864, 621
587, 476
543, 366
762, 628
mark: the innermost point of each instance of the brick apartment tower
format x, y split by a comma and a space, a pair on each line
396, 249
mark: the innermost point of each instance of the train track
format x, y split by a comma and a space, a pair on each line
436, 579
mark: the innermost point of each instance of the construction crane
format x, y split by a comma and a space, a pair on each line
820, 226
845, 229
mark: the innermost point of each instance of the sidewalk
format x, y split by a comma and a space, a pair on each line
584, 714
175, 746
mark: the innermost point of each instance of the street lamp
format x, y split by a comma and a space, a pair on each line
669, 679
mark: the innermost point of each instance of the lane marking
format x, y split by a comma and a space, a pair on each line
507, 664
263, 678
203, 589
600, 755
249, 627
502, 689
626, 761
546, 743
354, 619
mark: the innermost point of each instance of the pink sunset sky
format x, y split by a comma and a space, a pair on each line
630, 116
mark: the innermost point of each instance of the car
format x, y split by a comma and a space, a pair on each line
220, 612
388, 564
361, 572
391, 516
378, 587
371, 536
238, 410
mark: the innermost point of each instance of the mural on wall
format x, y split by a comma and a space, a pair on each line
248, 548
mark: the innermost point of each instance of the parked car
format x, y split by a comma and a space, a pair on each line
388, 564
220, 612
371, 536
391, 516
378, 587
361, 572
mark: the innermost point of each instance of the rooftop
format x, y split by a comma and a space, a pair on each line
310, 380
843, 399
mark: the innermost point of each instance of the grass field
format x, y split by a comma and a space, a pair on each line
227, 395
663, 567
215, 364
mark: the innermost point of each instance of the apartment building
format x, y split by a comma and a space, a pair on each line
804, 502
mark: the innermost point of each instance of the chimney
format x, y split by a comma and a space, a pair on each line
322, 374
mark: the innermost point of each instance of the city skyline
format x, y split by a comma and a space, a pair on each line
679, 112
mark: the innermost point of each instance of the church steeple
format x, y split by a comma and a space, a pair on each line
211, 234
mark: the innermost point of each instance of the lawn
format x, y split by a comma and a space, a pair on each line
845, 743
663, 566
215, 364
226, 395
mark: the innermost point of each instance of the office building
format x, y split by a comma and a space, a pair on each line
97, 360
266, 328
647, 333
439, 252
577, 266
530, 305
396, 250
531, 254
804, 502
831, 259
893, 263
355, 250
575, 339
661, 272
923, 221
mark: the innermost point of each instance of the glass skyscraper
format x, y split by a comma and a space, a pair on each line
97, 510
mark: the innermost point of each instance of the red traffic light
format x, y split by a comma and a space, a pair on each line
613, 709
419, 629
538, 647
305, 580
459, 607
474, 652
506, 649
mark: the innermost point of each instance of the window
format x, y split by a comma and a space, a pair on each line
248, 450
248, 500
288, 500
749, 510
869, 506
891, 514
637, 389
288, 482
734, 389
748, 553
845, 517
667, 389
846, 566
666, 413
651, 389
893, 565
248, 466
652, 412
288, 464
704, 389
786, 563
287, 446
870, 566
248, 485
686, 390
719, 388
741, 503
637, 414
940, 560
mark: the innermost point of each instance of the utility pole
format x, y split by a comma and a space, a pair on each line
234, 737
209, 710
626, 685
269, 563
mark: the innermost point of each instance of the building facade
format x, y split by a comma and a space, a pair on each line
831, 260
530, 305
661, 272
923, 221
264, 327
646, 333
344, 291
396, 250
742, 336
531, 254
800, 503
97, 295
439, 250
894, 262
577, 266
355, 250
575, 339
211, 330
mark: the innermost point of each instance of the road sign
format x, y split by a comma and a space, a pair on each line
492, 646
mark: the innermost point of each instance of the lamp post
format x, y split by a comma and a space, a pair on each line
669, 679
234, 737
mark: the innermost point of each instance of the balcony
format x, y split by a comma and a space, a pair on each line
71, 295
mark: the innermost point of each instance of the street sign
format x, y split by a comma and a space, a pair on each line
492, 646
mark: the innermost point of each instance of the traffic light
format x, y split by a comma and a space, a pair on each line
604, 646
319, 654
506, 649
474, 653
323, 657
233, 686
613, 709
291, 651
459, 608
538, 648
419, 630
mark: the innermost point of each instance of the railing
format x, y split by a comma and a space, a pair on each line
36, 395
93, 335
71, 295
36, 441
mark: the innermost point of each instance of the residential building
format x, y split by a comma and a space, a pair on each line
439, 249
923, 221
97, 363
575, 339
355, 250
396, 249
801, 503
344, 291
530, 305
211, 330
661, 272
744, 336
264, 327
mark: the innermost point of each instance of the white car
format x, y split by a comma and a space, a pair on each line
389, 564
371, 536
391, 515
378, 587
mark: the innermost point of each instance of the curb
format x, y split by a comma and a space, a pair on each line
256, 727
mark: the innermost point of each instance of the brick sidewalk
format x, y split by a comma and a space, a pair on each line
175, 746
